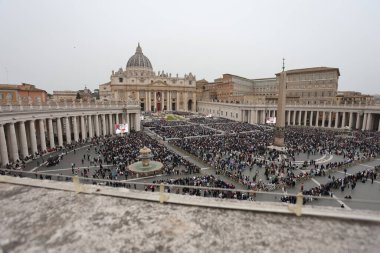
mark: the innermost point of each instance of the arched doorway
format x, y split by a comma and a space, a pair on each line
190, 105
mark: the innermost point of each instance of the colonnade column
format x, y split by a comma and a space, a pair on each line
14, 146
350, 120
378, 128
59, 129
357, 120
344, 120
24, 143
68, 131
369, 121
336, 119
83, 128
42, 135
3, 147
294, 117
90, 127
33, 139
364, 125
76, 132
97, 128
51, 133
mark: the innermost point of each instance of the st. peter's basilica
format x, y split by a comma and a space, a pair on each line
154, 91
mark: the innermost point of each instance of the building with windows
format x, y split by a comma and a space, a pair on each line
153, 91
25, 93
308, 86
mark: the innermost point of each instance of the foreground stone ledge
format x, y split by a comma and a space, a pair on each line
269, 207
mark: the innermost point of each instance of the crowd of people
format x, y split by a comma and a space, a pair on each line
183, 131
236, 127
121, 151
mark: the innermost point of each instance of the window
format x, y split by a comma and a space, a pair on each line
120, 79
237, 115
190, 82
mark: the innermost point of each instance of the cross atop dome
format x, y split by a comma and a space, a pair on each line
138, 49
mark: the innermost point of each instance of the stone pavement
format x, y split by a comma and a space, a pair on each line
43, 220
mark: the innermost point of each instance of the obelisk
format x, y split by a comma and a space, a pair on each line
279, 132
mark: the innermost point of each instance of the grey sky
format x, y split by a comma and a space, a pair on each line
64, 45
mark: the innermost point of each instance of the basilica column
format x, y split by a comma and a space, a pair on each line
104, 124
33, 138
185, 98
293, 123
336, 119
364, 125
127, 121
83, 128
194, 102
177, 103
42, 135
3, 147
24, 143
305, 118
90, 127
323, 118
300, 118
13, 140
76, 132
51, 133
117, 118
166, 93
155, 101
330, 116
68, 130
110, 118
350, 120
59, 130
137, 122
378, 128
317, 119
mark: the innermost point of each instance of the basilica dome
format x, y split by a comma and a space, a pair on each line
139, 60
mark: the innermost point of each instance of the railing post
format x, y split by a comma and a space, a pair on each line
77, 185
163, 196
297, 208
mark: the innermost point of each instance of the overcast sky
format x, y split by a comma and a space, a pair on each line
65, 45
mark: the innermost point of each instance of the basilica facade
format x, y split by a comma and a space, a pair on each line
154, 91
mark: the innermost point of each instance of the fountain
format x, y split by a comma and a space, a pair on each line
145, 166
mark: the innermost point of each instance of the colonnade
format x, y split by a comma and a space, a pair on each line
22, 138
318, 118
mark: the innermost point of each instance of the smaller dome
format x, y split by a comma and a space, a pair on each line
139, 60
